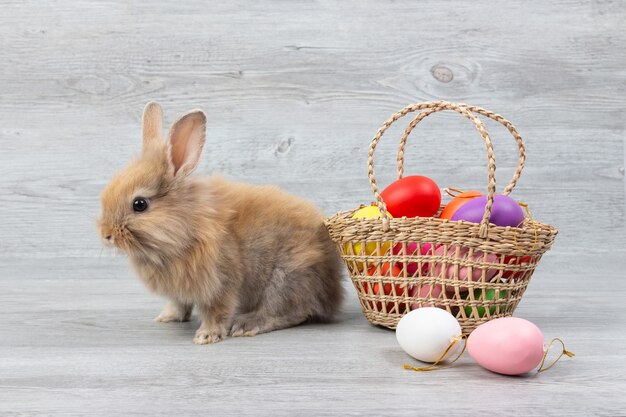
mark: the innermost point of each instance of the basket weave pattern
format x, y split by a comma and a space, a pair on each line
477, 272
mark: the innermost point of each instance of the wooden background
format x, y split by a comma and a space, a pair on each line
294, 91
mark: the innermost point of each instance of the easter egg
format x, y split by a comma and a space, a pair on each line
489, 295
508, 345
384, 271
504, 212
412, 196
515, 260
413, 248
426, 291
368, 212
427, 332
427, 249
448, 269
457, 202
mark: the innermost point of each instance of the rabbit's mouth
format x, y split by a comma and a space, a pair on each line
108, 242
107, 235
118, 237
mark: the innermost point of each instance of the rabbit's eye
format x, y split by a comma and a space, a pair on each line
140, 204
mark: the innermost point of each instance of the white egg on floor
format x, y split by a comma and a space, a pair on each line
426, 333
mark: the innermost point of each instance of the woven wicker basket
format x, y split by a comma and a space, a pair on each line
477, 272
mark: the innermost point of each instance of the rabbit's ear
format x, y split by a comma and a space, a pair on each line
186, 140
152, 127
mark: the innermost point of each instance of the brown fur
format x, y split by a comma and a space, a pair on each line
252, 259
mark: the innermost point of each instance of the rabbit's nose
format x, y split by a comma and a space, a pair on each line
107, 238
106, 232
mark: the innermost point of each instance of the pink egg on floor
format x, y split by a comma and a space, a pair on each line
508, 345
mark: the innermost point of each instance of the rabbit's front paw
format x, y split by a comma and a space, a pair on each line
207, 336
174, 312
169, 318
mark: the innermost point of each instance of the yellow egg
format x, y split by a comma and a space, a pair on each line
369, 212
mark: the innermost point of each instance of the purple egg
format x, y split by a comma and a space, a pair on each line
504, 212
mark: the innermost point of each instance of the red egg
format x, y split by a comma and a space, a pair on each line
412, 196
514, 260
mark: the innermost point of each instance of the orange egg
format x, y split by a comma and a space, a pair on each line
457, 202
384, 271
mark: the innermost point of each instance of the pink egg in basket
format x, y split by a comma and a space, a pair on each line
438, 269
477, 256
412, 248
426, 291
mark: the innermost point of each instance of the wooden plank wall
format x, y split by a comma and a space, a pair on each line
295, 91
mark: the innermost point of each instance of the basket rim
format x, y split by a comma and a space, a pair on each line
533, 238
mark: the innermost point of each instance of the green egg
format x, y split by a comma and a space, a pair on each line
489, 295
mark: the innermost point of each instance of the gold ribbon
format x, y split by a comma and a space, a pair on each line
545, 355
433, 366
536, 234
437, 364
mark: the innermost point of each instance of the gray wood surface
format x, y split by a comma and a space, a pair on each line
294, 91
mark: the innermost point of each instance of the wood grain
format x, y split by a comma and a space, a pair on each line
294, 92
78, 338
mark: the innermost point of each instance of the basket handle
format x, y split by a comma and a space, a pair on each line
494, 116
437, 106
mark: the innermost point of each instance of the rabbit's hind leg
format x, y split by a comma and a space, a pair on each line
288, 299
258, 322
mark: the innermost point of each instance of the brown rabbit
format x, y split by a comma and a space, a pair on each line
252, 259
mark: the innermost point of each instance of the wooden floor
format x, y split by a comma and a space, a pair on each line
78, 339
294, 92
